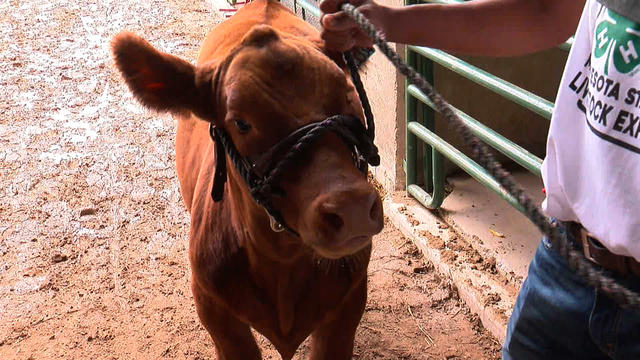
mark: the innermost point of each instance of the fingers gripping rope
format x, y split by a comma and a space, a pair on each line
592, 275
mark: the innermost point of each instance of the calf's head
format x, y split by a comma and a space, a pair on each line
267, 87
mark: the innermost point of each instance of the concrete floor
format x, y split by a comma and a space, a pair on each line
475, 210
490, 226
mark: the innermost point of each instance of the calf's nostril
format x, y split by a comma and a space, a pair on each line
333, 220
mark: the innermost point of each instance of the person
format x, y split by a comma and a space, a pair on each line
591, 171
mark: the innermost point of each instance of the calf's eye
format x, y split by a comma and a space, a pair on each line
243, 126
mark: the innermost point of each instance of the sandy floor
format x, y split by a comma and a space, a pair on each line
93, 232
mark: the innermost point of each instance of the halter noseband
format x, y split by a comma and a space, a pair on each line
262, 174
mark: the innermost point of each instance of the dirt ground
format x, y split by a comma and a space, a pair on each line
93, 260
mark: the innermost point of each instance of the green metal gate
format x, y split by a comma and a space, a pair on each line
420, 126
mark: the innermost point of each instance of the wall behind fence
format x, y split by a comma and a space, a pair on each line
385, 87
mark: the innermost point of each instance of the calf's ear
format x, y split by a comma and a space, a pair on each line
160, 81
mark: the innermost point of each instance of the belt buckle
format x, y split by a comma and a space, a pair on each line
586, 245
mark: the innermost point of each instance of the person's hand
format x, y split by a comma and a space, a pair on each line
340, 33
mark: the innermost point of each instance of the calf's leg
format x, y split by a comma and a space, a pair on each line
232, 338
334, 339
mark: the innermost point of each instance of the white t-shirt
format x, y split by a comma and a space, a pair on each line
592, 169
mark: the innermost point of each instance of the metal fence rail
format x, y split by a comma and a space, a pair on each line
503, 88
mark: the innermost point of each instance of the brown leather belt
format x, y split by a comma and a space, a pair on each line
595, 252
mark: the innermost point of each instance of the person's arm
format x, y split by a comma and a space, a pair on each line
481, 27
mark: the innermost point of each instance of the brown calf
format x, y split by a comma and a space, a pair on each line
261, 75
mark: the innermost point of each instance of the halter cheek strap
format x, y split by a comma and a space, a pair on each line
220, 176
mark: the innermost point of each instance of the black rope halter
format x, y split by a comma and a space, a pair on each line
262, 175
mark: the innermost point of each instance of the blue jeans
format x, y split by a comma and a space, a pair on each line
557, 316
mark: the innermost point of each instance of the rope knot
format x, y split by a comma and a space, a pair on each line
260, 191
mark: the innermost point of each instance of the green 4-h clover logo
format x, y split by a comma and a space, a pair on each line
618, 38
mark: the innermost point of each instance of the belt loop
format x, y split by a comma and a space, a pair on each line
586, 246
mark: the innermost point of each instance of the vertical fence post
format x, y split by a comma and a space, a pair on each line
411, 105
433, 162
425, 67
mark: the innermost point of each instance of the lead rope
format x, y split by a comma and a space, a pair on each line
577, 263
362, 94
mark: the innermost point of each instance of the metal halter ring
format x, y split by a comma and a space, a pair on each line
275, 225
